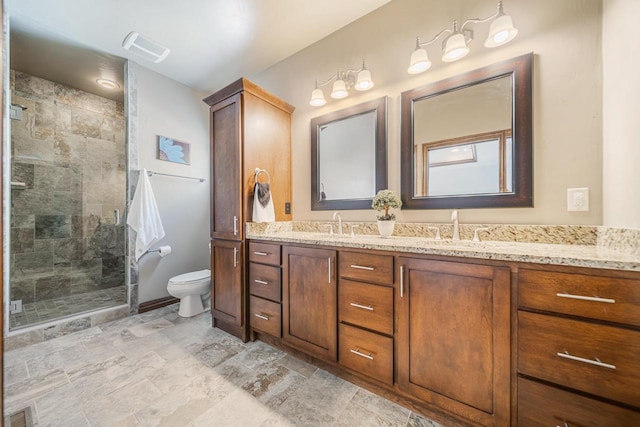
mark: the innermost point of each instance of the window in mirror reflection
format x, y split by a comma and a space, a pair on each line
481, 164
462, 141
347, 161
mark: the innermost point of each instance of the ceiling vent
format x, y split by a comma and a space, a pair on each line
149, 50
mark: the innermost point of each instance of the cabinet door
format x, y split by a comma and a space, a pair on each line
227, 297
310, 301
226, 170
453, 337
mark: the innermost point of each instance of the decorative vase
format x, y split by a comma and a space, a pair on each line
385, 228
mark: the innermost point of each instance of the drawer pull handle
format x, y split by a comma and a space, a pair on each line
262, 282
564, 425
262, 316
596, 362
361, 354
364, 307
260, 253
362, 267
401, 281
583, 298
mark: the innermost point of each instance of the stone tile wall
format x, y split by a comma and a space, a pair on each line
70, 151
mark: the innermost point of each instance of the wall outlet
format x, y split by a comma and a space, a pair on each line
15, 306
578, 199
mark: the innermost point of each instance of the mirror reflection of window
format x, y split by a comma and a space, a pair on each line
347, 160
476, 118
480, 165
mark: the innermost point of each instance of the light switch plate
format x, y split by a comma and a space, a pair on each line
578, 199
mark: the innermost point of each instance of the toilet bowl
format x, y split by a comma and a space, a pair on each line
190, 288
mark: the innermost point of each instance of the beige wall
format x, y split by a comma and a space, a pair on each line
621, 106
171, 109
565, 37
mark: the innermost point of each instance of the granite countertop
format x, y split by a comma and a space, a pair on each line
542, 253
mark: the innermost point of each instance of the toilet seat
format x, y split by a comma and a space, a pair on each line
191, 277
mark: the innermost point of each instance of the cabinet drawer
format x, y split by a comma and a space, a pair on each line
368, 267
265, 316
264, 253
604, 298
369, 306
264, 281
597, 359
366, 352
541, 405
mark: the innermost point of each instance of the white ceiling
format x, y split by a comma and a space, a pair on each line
212, 42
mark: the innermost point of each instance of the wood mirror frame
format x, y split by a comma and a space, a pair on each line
520, 69
379, 145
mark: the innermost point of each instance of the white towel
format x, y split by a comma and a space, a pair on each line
262, 213
144, 217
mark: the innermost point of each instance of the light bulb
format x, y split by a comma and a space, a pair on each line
317, 98
455, 48
339, 90
501, 31
364, 81
419, 61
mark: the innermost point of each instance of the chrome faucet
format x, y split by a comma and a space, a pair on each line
337, 215
456, 225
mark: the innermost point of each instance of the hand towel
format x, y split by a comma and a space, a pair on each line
144, 217
262, 204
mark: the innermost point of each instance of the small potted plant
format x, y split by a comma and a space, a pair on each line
383, 201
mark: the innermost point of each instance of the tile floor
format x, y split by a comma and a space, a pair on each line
157, 369
56, 308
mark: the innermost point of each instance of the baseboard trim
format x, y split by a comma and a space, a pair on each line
156, 303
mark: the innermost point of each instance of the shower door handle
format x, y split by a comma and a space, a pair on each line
116, 217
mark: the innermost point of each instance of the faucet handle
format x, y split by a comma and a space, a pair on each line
476, 238
437, 232
330, 228
353, 227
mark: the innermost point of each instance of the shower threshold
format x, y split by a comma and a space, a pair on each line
40, 312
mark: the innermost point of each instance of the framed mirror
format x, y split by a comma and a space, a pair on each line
466, 141
349, 156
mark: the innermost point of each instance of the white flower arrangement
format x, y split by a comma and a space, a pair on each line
383, 201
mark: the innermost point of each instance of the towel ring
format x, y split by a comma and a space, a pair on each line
258, 171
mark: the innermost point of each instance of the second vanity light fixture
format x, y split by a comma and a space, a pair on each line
455, 46
360, 79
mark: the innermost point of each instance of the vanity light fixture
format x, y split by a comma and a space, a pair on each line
359, 79
456, 45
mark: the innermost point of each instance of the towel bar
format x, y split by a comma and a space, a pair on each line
151, 173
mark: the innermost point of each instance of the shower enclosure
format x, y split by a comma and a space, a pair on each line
68, 195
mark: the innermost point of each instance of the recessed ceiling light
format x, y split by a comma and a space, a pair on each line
108, 84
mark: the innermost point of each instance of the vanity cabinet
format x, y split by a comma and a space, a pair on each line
250, 128
579, 340
365, 313
265, 289
227, 277
309, 299
453, 337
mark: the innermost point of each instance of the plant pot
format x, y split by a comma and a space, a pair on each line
385, 228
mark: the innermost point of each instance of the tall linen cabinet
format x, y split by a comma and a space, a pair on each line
250, 128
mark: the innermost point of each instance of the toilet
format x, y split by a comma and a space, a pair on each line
190, 288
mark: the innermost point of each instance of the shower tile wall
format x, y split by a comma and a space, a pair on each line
69, 151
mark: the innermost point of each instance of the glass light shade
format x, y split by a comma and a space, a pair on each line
364, 81
455, 48
501, 31
419, 62
317, 98
339, 90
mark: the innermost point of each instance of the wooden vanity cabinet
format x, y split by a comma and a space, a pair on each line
365, 313
227, 277
579, 340
265, 289
453, 337
250, 128
309, 299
